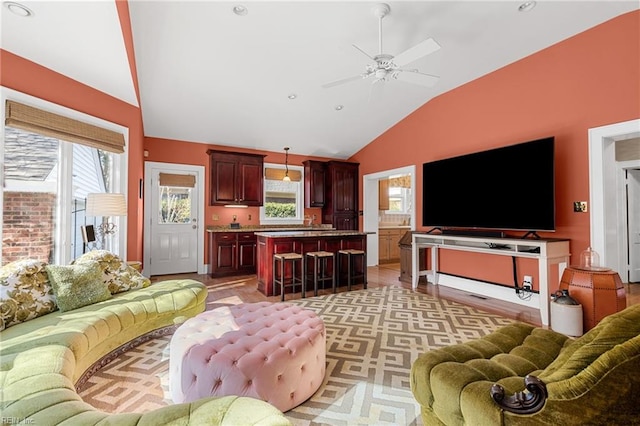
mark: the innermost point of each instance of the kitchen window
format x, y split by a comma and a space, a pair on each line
400, 195
283, 200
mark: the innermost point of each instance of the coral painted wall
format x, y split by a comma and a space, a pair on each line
589, 80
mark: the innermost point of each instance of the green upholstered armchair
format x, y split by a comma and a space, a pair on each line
525, 375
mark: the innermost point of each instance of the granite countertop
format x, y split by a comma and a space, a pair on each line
266, 228
310, 234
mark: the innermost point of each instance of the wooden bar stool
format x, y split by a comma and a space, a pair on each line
319, 271
284, 259
352, 255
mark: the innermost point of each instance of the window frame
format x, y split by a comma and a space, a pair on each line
63, 232
299, 219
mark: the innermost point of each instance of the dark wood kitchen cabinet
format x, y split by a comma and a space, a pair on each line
247, 256
232, 253
314, 177
236, 178
341, 195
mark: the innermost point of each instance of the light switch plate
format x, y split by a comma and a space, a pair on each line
580, 206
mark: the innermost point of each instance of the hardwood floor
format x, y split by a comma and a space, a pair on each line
243, 289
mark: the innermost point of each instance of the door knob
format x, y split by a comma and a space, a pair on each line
194, 226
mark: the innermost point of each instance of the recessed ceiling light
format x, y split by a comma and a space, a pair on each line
18, 9
240, 10
292, 96
526, 6
339, 107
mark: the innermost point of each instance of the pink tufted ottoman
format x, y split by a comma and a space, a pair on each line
271, 351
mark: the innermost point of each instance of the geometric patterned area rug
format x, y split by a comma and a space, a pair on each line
373, 337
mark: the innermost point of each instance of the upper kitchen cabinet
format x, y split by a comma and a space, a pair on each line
314, 183
341, 192
236, 178
383, 194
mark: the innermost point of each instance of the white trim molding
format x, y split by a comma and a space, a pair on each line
370, 206
606, 212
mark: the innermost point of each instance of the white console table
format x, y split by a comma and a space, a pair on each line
547, 251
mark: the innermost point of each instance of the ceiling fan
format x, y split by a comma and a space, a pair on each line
388, 67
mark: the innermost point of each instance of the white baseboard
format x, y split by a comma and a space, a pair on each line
507, 294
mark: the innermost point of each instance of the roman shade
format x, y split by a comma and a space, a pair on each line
628, 150
400, 181
278, 174
57, 126
170, 179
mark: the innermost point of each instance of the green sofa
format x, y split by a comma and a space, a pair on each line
42, 359
527, 375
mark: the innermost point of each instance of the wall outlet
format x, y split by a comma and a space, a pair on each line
249, 217
527, 282
215, 217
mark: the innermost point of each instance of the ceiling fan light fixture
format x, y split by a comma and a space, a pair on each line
18, 9
386, 67
527, 6
240, 10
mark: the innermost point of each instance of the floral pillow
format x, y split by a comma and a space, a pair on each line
116, 273
25, 292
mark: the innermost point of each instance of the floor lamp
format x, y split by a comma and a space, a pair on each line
106, 205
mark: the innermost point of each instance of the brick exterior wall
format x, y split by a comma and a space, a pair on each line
28, 226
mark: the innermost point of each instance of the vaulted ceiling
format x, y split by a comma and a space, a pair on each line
210, 75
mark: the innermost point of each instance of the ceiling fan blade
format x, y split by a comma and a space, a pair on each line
419, 78
416, 52
345, 80
363, 52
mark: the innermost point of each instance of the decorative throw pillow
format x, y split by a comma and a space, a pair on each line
76, 286
116, 273
25, 292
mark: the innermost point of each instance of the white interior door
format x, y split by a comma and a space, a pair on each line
633, 203
173, 219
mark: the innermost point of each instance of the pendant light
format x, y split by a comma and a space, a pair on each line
286, 177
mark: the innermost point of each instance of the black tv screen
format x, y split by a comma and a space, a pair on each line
507, 188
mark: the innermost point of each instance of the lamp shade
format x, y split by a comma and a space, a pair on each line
106, 204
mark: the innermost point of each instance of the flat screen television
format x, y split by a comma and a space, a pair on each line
507, 188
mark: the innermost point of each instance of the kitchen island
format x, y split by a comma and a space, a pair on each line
270, 243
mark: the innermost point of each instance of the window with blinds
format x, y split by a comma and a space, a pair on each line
176, 192
51, 163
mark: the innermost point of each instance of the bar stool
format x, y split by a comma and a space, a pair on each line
284, 259
319, 270
352, 255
